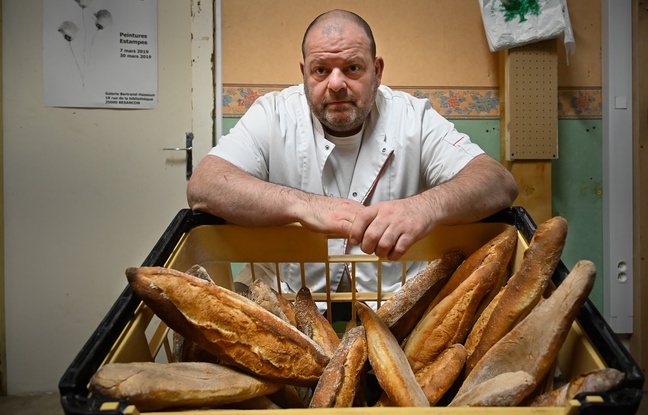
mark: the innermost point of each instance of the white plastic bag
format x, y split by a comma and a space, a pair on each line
513, 23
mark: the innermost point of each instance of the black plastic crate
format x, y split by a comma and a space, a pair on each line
75, 397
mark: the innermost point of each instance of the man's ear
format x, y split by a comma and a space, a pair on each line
379, 65
301, 67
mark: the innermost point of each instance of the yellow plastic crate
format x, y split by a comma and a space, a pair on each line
131, 332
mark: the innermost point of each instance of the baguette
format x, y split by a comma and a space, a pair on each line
200, 272
186, 350
230, 326
153, 386
262, 294
449, 322
523, 290
313, 324
339, 383
437, 378
505, 389
477, 330
533, 345
597, 381
404, 309
393, 372
499, 249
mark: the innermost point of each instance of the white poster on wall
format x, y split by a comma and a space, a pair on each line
100, 53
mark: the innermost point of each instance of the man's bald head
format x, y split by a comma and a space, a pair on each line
333, 20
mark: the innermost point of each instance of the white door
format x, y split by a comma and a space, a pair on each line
87, 192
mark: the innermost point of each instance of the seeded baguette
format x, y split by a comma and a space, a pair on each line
404, 309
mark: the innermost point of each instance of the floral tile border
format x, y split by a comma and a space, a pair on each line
453, 103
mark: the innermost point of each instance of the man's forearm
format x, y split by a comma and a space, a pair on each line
481, 188
221, 189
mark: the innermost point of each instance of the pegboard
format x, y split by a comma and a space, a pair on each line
531, 101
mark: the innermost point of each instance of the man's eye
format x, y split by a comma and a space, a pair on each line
320, 71
354, 68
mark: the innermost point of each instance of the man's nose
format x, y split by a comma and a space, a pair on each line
337, 80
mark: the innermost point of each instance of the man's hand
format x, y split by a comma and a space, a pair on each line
329, 215
390, 228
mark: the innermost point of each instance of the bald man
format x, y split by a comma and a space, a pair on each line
342, 154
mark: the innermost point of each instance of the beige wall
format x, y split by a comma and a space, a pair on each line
424, 43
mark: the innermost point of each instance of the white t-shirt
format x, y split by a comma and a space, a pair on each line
407, 147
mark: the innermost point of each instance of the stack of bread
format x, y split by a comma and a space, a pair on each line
463, 332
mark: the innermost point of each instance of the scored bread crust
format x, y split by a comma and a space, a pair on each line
499, 249
404, 309
505, 389
523, 290
230, 326
450, 321
438, 377
598, 381
478, 328
262, 294
393, 372
152, 386
313, 324
339, 383
532, 346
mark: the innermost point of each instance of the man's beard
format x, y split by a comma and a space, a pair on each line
336, 121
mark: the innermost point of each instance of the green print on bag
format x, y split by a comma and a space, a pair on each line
522, 8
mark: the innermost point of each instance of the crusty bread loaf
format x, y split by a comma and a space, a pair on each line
479, 326
438, 377
599, 381
186, 350
266, 296
313, 324
339, 383
287, 307
523, 290
199, 271
533, 345
499, 249
441, 374
393, 372
262, 294
449, 322
153, 386
404, 309
505, 389
230, 326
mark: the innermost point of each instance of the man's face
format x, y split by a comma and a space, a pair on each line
340, 76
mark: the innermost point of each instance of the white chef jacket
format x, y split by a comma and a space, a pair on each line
407, 148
